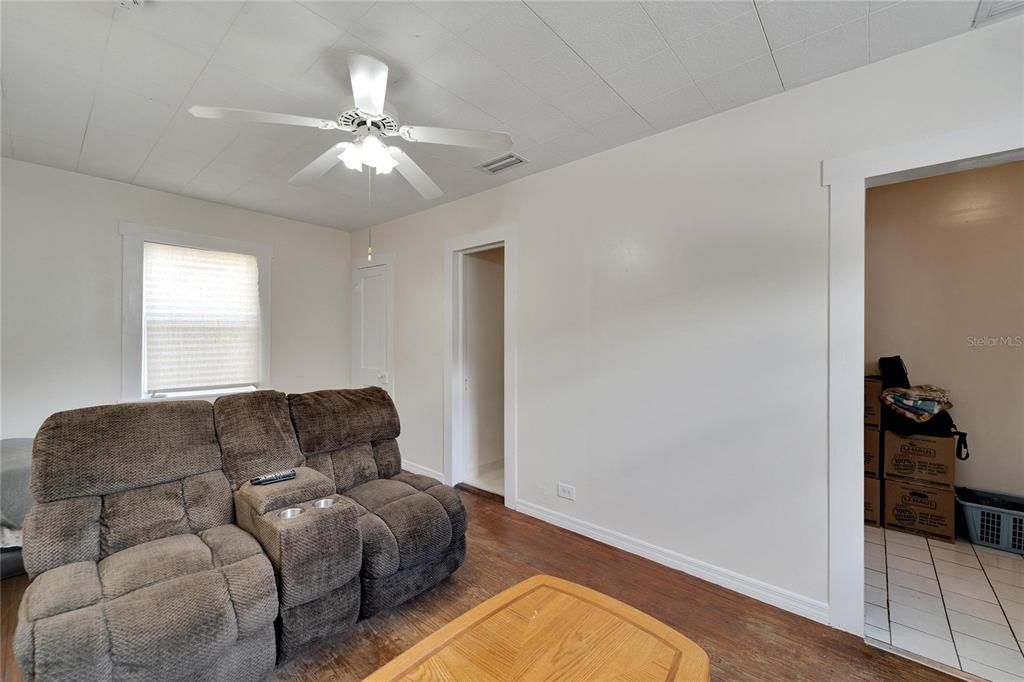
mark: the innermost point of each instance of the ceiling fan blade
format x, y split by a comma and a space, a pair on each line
369, 83
249, 116
320, 165
457, 137
415, 175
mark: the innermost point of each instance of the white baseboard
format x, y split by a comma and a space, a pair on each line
776, 596
419, 469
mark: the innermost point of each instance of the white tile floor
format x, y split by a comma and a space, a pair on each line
492, 481
958, 604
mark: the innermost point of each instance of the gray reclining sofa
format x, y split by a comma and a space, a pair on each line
153, 557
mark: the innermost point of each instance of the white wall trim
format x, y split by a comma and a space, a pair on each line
420, 469
133, 236
776, 596
453, 251
847, 179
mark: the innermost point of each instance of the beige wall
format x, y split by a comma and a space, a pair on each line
672, 315
61, 289
944, 282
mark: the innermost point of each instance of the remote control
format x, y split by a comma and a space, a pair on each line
277, 476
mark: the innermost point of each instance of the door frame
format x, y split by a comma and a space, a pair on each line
454, 250
847, 179
358, 264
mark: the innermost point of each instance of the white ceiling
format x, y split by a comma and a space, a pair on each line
103, 90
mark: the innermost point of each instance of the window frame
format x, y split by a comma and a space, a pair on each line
134, 236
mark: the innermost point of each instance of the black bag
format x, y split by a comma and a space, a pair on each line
894, 375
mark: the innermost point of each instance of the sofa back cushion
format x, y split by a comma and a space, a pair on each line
348, 434
256, 434
110, 477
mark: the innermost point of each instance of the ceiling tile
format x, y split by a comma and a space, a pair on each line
459, 15
403, 30
681, 21
625, 39
675, 108
69, 37
194, 141
461, 70
260, 147
530, 119
723, 47
197, 25
911, 24
113, 154
512, 34
325, 88
219, 179
824, 55
342, 14
592, 103
554, 73
118, 109
221, 86
164, 175
52, 106
650, 78
742, 84
573, 18
145, 64
41, 152
621, 129
418, 100
275, 42
789, 21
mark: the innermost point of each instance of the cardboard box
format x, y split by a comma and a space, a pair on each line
872, 402
920, 508
872, 501
922, 458
872, 452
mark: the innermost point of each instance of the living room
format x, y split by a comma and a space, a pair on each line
504, 289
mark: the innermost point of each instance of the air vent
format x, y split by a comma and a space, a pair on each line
996, 10
502, 163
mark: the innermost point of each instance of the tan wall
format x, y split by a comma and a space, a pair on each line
945, 281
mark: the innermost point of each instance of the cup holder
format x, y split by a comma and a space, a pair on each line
289, 513
324, 503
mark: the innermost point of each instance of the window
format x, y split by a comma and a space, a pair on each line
195, 314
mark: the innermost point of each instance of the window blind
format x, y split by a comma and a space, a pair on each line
201, 312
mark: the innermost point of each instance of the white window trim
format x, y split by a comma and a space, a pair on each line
133, 236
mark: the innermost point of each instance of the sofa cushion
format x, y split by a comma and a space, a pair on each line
256, 434
112, 448
172, 606
401, 526
333, 420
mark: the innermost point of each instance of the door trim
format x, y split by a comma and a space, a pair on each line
358, 264
454, 250
846, 179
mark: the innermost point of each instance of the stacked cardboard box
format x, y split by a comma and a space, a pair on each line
920, 472
872, 451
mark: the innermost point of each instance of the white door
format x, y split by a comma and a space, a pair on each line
371, 327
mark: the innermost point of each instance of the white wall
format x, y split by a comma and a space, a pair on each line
944, 275
61, 289
672, 311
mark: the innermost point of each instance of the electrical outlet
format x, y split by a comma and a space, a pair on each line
567, 491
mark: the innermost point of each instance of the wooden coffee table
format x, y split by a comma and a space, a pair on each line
546, 628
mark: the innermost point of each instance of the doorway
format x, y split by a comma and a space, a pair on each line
480, 362
483, 374
847, 179
373, 323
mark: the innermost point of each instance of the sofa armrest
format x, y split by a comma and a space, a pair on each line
314, 544
307, 485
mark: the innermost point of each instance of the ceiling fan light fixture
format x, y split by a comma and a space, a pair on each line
352, 157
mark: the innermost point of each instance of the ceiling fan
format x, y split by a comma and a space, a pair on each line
370, 124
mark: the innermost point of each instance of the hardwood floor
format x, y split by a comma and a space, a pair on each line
746, 640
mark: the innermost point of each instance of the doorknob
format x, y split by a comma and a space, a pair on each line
382, 377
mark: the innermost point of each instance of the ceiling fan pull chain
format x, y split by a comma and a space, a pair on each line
369, 214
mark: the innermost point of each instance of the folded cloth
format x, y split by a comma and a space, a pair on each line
919, 403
